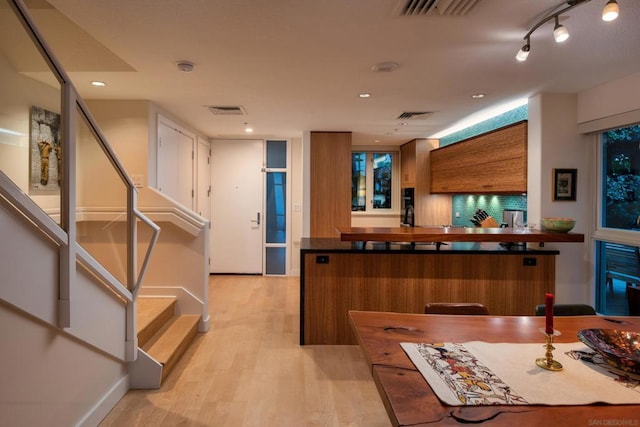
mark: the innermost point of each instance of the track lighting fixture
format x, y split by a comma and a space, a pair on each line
560, 33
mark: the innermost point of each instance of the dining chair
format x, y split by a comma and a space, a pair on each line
567, 310
465, 308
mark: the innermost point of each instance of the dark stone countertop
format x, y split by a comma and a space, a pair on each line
335, 245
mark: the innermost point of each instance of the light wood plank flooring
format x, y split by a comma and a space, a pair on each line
249, 369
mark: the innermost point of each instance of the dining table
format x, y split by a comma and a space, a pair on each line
410, 401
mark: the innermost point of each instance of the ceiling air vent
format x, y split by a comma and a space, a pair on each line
439, 7
414, 115
227, 110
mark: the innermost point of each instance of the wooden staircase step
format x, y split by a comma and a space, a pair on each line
153, 313
172, 340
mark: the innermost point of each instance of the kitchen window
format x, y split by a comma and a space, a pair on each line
372, 181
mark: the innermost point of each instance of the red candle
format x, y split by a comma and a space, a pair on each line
548, 298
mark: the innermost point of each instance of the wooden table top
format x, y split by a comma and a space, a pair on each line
452, 234
409, 399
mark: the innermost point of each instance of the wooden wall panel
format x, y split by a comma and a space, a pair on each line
330, 178
406, 282
431, 209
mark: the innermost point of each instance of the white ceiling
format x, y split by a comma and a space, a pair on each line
297, 65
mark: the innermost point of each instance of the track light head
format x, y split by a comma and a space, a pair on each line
560, 32
523, 53
611, 11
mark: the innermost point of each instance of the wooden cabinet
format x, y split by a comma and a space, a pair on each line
330, 178
429, 209
494, 162
408, 165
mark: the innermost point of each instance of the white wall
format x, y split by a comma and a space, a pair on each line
375, 220
612, 98
126, 127
297, 203
50, 376
554, 142
19, 94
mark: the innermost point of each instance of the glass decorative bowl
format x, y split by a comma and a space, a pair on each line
620, 349
557, 225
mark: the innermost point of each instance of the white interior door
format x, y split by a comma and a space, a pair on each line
236, 213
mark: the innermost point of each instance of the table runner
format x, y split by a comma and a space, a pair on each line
481, 373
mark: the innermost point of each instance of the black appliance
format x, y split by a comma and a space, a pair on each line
406, 217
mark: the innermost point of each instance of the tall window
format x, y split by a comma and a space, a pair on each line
276, 208
619, 219
371, 181
621, 178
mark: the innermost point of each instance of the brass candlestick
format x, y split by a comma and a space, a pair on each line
547, 361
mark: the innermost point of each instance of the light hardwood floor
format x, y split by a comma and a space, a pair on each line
249, 369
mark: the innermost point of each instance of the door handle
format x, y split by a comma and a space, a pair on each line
257, 220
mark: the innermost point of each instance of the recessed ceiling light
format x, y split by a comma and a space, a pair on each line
478, 95
248, 128
364, 95
98, 83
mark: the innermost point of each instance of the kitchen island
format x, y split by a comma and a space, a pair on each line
380, 272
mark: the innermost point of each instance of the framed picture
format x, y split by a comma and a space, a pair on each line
45, 152
564, 184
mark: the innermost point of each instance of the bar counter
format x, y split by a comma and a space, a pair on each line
338, 276
453, 234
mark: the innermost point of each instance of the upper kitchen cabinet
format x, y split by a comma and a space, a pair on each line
494, 162
408, 165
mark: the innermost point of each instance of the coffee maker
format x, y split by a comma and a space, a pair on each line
512, 217
406, 217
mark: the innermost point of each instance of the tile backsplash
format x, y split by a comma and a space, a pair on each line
465, 205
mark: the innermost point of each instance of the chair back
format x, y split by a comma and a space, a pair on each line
464, 308
567, 310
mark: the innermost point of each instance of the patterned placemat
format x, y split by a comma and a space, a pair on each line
481, 373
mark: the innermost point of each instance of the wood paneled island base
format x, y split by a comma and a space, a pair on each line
334, 281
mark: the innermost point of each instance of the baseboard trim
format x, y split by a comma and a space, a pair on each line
105, 404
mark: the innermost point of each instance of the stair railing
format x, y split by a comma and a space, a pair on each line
74, 109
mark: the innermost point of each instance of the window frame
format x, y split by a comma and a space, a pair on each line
395, 180
607, 234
